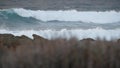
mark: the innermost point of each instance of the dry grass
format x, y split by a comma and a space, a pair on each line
23, 52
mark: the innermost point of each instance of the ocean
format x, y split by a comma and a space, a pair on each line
52, 24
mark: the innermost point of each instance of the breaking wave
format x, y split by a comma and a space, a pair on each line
71, 15
60, 24
64, 33
67, 15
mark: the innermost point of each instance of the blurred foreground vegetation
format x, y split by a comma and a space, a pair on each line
23, 52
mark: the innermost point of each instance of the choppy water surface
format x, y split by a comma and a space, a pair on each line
64, 24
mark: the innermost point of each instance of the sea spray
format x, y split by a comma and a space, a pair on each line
64, 33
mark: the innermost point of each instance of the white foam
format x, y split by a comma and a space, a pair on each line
64, 33
71, 15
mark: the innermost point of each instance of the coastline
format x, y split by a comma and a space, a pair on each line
43, 38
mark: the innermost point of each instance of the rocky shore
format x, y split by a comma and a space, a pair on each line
23, 52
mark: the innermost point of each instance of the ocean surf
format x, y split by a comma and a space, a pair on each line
53, 24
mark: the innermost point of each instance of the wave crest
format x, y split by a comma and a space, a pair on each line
70, 15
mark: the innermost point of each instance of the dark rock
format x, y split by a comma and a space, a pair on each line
36, 37
39, 40
9, 40
6, 39
24, 40
6, 36
118, 40
88, 39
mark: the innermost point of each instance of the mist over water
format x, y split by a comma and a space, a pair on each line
60, 24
